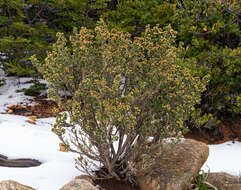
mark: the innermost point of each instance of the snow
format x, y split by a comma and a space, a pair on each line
8, 93
20, 139
224, 157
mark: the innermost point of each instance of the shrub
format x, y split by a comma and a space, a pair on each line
200, 182
34, 90
133, 16
29, 26
119, 92
211, 30
2, 82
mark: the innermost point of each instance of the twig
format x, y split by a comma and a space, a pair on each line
210, 185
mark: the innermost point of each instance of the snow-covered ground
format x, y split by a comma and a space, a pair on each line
224, 157
8, 95
20, 139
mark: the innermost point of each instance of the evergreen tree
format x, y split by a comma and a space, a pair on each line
28, 27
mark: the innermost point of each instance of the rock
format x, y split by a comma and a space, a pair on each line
224, 181
86, 177
177, 167
79, 184
13, 185
19, 163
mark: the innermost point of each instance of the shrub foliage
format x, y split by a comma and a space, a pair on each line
211, 29
123, 96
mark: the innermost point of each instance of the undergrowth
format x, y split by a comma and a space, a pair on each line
33, 90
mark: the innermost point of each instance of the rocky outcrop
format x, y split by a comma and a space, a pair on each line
79, 184
13, 185
224, 181
177, 167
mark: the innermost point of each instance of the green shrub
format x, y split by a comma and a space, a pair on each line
133, 16
211, 31
2, 82
200, 182
34, 90
13, 68
119, 92
29, 27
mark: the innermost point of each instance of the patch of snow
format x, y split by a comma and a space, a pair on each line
224, 157
8, 95
19, 139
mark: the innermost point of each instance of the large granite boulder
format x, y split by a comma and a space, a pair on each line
177, 167
79, 184
13, 185
224, 181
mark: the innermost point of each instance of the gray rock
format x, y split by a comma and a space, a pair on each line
86, 178
79, 184
13, 185
19, 163
177, 167
224, 181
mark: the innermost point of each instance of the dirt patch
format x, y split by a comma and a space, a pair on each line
112, 184
42, 108
229, 130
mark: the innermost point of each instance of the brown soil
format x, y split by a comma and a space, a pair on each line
42, 109
115, 185
230, 130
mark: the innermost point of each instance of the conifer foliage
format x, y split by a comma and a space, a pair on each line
29, 27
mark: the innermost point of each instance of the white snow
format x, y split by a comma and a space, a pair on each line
8, 95
20, 139
224, 157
